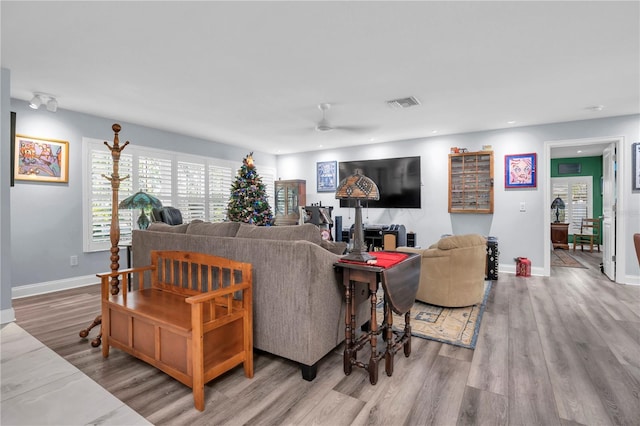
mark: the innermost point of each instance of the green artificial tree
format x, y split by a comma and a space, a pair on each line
248, 202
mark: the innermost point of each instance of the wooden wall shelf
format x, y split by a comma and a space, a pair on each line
471, 182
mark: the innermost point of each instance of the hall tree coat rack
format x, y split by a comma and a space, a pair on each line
114, 233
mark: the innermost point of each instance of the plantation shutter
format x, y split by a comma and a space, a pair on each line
100, 199
579, 203
576, 193
219, 191
191, 190
154, 177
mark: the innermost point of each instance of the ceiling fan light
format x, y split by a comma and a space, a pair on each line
323, 126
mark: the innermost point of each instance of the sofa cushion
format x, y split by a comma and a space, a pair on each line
460, 241
214, 229
335, 247
165, 227
307, 232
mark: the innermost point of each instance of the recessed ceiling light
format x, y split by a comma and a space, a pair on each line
596, 108
434, 131
511, 122
579, 151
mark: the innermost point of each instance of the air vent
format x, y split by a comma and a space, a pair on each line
403, 102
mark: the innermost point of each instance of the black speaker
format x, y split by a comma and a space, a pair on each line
338, 227
411, 239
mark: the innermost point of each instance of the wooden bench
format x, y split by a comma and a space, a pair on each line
187, 314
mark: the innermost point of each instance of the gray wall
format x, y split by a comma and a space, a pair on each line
519, 233
46, 219
6, 312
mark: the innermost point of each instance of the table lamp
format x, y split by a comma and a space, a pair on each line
358, 187
140, 200
558, 205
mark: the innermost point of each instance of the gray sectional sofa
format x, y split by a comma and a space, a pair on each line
298, 300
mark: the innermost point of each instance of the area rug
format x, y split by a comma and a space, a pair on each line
563, 258
454, 326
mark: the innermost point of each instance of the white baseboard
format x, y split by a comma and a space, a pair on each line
51, 286
511, 269
7, 316
631, 279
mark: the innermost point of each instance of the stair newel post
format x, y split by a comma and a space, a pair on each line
115, 180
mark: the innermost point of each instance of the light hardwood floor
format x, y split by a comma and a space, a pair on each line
559, 350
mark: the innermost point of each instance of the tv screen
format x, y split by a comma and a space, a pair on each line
398, 180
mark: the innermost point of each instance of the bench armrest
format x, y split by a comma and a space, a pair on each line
210, 295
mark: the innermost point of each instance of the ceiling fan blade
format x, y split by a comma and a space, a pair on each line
356, 129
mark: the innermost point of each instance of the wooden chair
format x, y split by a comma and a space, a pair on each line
589, 234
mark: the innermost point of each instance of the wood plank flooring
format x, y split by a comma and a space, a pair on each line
559, 350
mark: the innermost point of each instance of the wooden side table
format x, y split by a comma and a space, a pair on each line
560, 235
400, 285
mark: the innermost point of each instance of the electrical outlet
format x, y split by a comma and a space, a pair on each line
523, 206
73, 260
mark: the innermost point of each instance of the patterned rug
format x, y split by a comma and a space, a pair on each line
455, 326
563, 258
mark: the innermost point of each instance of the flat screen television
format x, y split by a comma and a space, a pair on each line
398, 180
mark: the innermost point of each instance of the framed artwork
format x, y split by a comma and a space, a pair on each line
635, 167
327, 175
40, 160
520, 171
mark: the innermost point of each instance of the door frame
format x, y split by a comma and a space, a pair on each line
619, 220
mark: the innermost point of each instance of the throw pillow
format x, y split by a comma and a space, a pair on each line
307, 232
335, 247
216, 229
165, 227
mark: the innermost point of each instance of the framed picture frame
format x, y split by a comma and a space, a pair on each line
40, 159
326, 176
520, 170
635, 166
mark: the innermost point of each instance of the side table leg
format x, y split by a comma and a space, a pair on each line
407, 333
348, 331
373, 360
388, 331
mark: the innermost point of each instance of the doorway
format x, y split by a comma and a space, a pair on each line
590, 147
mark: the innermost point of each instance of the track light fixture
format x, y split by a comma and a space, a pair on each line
43, 98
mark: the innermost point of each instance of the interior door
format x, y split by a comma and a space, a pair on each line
609, 211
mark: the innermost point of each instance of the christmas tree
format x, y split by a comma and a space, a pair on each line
248, 202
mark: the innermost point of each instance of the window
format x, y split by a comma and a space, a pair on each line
576, 194
198, 186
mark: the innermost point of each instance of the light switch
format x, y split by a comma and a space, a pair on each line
523, 206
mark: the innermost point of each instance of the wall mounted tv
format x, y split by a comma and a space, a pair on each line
398, 180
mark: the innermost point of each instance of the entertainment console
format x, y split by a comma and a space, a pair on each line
383, 237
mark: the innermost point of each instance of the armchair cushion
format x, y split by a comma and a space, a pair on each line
452, 271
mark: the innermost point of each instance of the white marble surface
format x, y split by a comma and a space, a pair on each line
38, 387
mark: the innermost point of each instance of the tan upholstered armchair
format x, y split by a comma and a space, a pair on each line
452, 271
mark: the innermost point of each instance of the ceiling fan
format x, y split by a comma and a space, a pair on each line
324, 126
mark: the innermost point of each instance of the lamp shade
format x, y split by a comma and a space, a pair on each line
140, 200
557, 210
357, 186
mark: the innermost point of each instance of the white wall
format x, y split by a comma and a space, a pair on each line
519, 233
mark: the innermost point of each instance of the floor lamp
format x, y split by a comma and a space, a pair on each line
358, 187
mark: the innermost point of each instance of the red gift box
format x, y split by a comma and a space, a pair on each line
523, 267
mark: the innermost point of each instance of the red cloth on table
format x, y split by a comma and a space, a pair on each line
384, 259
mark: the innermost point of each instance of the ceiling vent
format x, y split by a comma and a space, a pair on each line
403, 102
